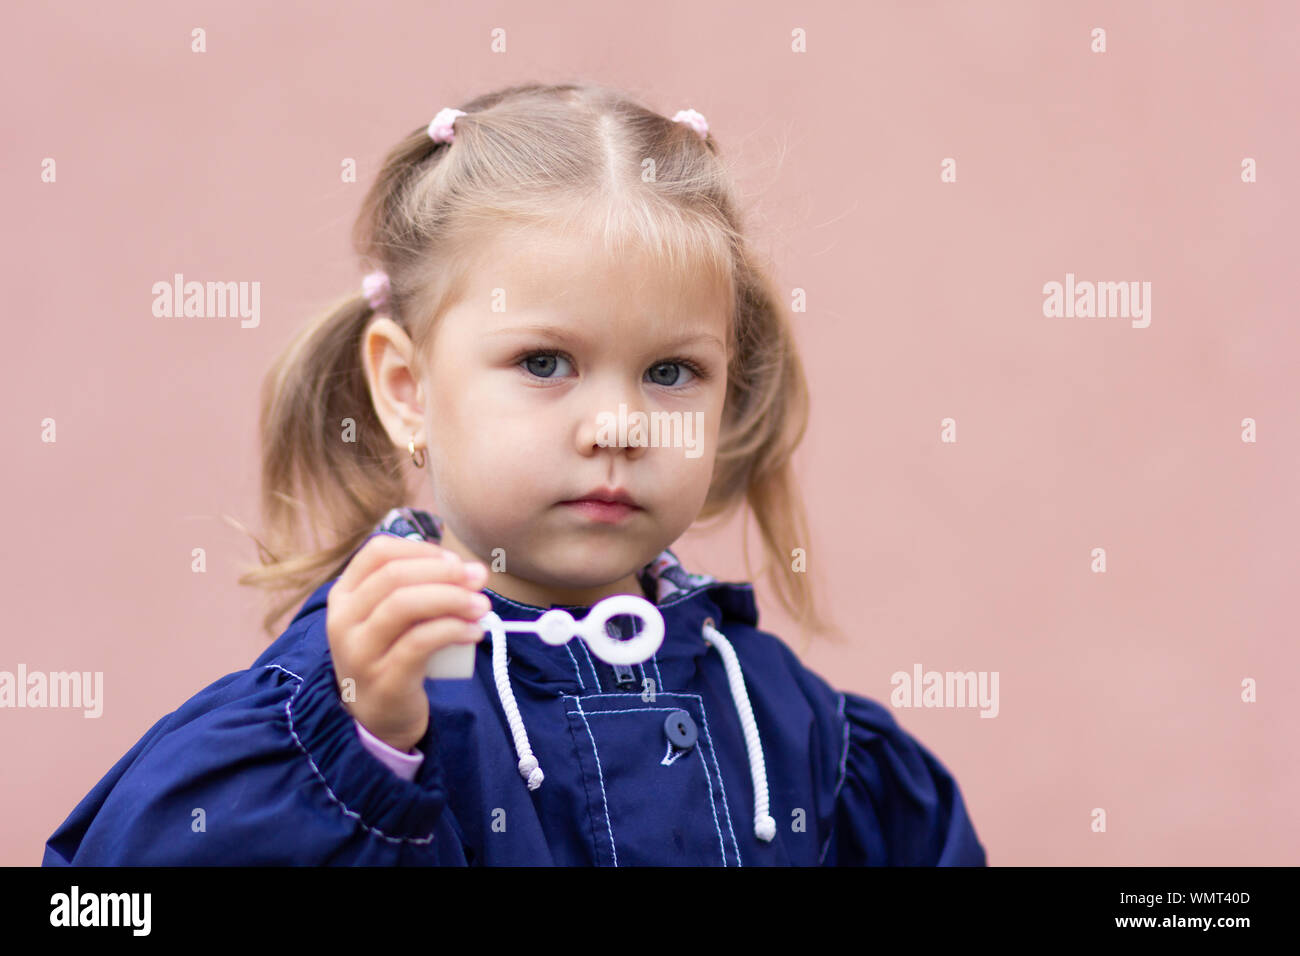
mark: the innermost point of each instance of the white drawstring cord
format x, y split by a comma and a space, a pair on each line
764, 825
528, 767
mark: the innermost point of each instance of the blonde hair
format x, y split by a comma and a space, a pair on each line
563, 156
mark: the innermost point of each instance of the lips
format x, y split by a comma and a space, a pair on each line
607, 495
602, 510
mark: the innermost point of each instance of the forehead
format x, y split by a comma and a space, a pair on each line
554, 278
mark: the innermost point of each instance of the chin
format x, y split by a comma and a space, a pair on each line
583, 568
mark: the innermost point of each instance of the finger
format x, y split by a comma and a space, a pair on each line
410, 653
400, 572
380, 549
407, 606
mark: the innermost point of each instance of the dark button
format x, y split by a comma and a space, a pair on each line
680, 729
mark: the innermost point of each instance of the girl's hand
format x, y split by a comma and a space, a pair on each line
397, 602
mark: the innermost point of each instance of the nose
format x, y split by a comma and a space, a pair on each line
612, 418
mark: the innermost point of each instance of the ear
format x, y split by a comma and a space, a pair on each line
396, 389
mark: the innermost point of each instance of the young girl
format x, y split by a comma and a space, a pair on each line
546, 258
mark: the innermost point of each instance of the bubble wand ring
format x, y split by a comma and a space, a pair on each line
558, 626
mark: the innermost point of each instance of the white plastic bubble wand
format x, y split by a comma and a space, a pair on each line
557, 627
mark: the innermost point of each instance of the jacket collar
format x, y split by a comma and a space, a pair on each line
661, 579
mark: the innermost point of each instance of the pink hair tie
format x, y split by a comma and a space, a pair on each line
441, 130
694, 120
376, 288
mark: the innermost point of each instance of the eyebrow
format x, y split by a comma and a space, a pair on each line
568, 335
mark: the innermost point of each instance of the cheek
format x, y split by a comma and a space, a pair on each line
488, 454
684, 473
694, 476
703, 466
708, 434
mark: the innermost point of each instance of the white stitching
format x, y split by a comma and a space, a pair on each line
288, 710
285, 669
601, 776
595, 677
577, 673
625, 694
672, 754
630, 710
713, 755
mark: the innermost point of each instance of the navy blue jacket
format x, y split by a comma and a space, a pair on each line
641, 765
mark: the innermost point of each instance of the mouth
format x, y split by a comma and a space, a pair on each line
605, 507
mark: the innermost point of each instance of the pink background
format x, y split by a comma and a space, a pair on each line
1118, 690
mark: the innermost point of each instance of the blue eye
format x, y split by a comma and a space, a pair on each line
672, 376
545, 363
542, 364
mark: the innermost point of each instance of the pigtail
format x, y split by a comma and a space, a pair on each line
327, 462
764, 422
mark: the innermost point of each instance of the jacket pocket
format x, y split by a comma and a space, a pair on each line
655, 793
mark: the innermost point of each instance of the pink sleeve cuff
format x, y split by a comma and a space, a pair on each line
403, 764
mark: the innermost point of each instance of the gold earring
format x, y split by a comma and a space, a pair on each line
410, 444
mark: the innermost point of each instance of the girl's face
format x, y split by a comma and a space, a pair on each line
548, 341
